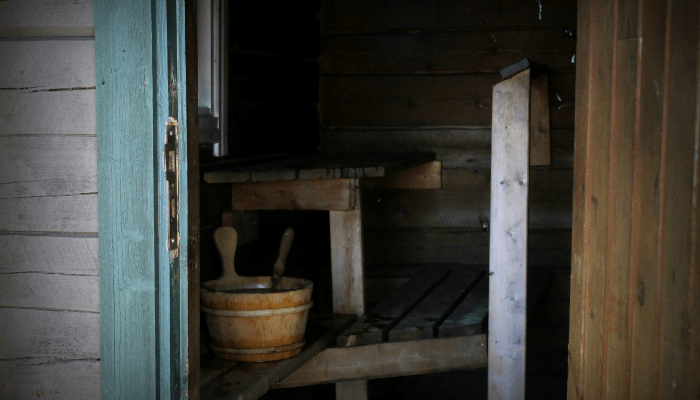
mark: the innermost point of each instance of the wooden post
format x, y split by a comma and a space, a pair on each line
348, 279
508, 246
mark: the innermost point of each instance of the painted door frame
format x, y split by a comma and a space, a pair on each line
140, 77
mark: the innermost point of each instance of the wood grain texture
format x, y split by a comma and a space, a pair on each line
50, 291
367, 15
47, 65
425, 100
347, 262
75, 379
508, 245
37, 166
76, 213
55, 255
620, 219
328, 194
463, 202
62, 112
423, 321
391, 359
126, 187
456, 147
60, 336
461, 246
425, 176
540, 147
49, 18
484, 51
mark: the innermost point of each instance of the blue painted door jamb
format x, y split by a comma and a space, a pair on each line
140, 74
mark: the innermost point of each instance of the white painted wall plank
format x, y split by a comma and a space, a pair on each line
66, 255
23, 18
51, 291
36, 166
70, 112
49, 334
49, 214
70, 380
45, 65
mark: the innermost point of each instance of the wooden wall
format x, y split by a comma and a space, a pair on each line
418, 75
49, 304
635, 321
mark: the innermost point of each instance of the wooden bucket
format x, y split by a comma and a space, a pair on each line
249, 326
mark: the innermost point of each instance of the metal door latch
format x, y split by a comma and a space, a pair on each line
171, 178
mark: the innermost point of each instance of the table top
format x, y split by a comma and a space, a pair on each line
322, 165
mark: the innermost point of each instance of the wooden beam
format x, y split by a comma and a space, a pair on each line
508, 247
424, 176
327, 194
391, 359
540, 149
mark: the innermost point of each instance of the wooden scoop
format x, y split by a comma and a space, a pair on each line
278, 268
226, 239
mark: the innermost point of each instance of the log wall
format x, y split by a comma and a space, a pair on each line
49, 304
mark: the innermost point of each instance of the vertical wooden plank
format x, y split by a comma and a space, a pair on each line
508, 247
596, 197
677, 173
125, 181
540, 149
620, 218
348, 279
575, 389
649, 184
193, 317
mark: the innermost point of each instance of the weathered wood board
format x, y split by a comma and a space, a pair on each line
49, 254
20, 18
455, 147
70, 380
391, 359
426, 100
327, 194
77, 213
347, 262
63, 112
47, 65
56, 335
50, 291
36, 166
460, 246
383, 317
417, 15
425, 319
424, 176
468, 317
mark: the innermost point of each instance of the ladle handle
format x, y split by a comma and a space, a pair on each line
285, 245
226, 239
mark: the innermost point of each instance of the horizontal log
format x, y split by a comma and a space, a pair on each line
38, 377
76, 213
50, 291
463, 202
47, 65
426, 100
19, 18
440, 246
445, 52
425, 176
57, 255
379, 16
455, 147
41, 333
35, 166
327, 194
63, 112
390, 359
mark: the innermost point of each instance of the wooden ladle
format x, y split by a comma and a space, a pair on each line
278, 268
226, 239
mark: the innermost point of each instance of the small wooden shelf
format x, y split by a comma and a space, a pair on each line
222, 379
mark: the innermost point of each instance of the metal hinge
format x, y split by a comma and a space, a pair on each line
171, 178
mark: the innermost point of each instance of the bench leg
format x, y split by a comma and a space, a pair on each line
348, 280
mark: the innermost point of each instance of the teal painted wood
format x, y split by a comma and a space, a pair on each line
139, 57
